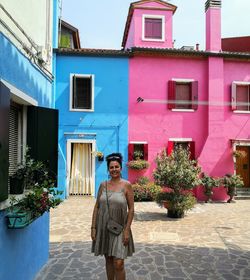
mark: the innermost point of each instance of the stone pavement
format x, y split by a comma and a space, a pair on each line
212, 242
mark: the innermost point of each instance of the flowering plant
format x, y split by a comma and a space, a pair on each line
40, 199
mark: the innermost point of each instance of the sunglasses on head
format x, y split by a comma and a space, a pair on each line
113, 157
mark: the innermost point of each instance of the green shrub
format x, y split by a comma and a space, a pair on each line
145, 192
143, 180
138, 164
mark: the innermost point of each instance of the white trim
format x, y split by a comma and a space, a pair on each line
19, 96
183, 110
162, 29
241, 112
180, 139
138, 142
183, 80
68, 160
71, 92
241, 83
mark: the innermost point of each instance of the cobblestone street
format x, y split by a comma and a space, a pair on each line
212, 242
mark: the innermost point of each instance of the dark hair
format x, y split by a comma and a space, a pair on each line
114, 157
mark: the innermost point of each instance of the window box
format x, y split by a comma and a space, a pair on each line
81, 92
240, 97
19, 218
183, 95
138, 155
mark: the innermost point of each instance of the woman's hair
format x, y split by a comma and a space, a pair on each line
114, 157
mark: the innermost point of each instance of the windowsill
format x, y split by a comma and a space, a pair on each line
6, 204
183, 110
81, 110
153, 40
241, 112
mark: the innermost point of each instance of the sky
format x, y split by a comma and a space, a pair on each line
101, 23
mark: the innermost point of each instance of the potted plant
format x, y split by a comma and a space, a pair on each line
99, 155
232, 182
178, 175
37, 201
138, 163
209, 183
26, 174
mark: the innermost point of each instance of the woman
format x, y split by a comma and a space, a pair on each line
120, 196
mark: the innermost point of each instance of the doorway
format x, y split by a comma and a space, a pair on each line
242, 164
80, 165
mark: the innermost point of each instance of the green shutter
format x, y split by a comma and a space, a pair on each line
42, 136
4, 140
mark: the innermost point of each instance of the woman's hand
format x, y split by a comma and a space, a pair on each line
125, 237
93, 234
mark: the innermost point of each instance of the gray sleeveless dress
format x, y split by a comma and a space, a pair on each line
107, 243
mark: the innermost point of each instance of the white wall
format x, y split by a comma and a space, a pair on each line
35, 17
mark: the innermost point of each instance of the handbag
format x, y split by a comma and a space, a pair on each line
112, 226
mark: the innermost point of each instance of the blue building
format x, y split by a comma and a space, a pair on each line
26, 99
92, 95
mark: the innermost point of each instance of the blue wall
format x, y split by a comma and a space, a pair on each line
24, 251
110, 117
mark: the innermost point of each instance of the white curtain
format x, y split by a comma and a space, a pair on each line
81, 181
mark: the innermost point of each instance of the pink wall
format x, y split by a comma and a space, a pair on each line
210, 127
154, 122
213, 29
135, 32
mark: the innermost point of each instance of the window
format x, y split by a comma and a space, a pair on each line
153, 28
82, 92
137, 149
241, 96
185, 143
183, 95
17, 121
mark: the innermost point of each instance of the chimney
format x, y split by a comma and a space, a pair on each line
213, 25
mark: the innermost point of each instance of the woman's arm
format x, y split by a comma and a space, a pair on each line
130, 200
94, 215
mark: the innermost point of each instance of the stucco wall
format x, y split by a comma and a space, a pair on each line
210, 127
23, 252
109, 121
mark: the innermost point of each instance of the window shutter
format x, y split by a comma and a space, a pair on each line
4, 140
194, 95
42, 136
170, 147
233, 96
171, 94
145, 151
13, 138
130, 151
192, 149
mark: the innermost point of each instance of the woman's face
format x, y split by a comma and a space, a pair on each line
115, 169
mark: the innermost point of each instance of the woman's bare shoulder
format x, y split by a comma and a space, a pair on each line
126, 184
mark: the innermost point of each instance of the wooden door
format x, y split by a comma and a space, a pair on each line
242, 164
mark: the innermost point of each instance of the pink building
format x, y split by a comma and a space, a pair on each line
197, 98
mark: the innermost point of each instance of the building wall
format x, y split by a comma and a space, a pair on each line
211, 127
109, 121
37, 26
18, 247
23, 252
154, 122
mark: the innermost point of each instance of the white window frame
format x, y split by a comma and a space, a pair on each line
241, 83
24, 99
144, 16
71, 92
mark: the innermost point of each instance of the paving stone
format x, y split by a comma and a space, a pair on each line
193, 248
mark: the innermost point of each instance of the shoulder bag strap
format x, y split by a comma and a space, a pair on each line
106, 187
